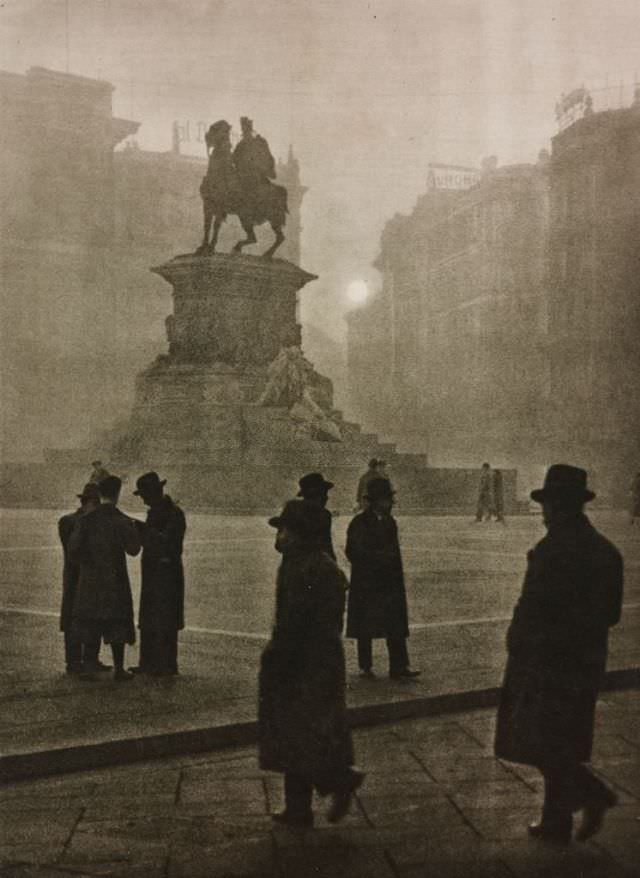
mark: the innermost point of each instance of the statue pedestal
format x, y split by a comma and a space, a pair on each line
198, 417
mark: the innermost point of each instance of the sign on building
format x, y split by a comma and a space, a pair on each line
451, 176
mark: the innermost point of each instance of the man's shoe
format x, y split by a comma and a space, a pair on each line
298, 821
368, 674
138, 669
404, 674
342, 797
102, 667
122, 676
549, 834
594, 816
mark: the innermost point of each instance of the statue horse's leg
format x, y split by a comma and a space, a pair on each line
251, 236
220, 218
279, 239
208, 219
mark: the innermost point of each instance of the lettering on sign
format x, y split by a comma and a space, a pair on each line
451, 177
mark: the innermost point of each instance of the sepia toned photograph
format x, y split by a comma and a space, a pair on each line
319, 439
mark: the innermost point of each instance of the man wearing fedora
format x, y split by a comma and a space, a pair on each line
377, 600
303, 730
315, 489
161, 613
103, 606
73, 648
557, 652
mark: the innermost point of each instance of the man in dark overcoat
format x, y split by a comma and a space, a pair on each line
103, 606
315, 488
73, 651
377, 600
557, 645
376, 470
303, 731
161, 613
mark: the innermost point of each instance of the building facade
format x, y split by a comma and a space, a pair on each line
508, 314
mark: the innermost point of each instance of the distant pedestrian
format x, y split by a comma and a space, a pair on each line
635, 498
377, 470
161, 613
315, 489
557, 644
303, 730
73, 650
484, 507
99, 472
103, 607
497, 495
377, 601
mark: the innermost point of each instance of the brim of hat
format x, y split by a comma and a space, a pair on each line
542, 494
161, 484
275, 521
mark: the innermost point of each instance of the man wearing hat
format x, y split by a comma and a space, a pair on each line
303, 731
98, 473
377, 599
376, 471
315, 489
103, 606
161, 613
73, 648
557, 645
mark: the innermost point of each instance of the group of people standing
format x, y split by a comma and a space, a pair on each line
557, 641
97, 604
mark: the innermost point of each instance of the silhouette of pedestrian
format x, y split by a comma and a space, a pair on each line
315, 489
161, 613
497, 495
73, 649
557, 645
103, 607
377, 600
484, 507
303, 729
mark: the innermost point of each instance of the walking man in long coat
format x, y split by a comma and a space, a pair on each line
103, 606
302, 712
377, 599
73, 651
161, 613
557, 644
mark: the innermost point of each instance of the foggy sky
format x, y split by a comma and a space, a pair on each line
368, 93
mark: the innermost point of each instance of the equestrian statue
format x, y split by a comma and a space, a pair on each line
239, 182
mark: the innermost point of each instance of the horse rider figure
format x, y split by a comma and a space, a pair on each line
239, 182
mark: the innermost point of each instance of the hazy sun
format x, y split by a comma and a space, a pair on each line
358, 291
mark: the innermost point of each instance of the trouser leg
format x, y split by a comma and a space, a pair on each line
398, 654
146, 649
117, 651
72, 650
559, 799
586, 787
298, 793
171, 651
365, 654
90, 651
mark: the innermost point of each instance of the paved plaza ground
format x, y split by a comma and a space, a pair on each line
462, 582
435, 803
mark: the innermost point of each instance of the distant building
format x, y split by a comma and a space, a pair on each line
509, 315
594, 294
81, 224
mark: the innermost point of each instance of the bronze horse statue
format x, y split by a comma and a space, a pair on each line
238, 183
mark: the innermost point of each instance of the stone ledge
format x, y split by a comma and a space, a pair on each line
26, 766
